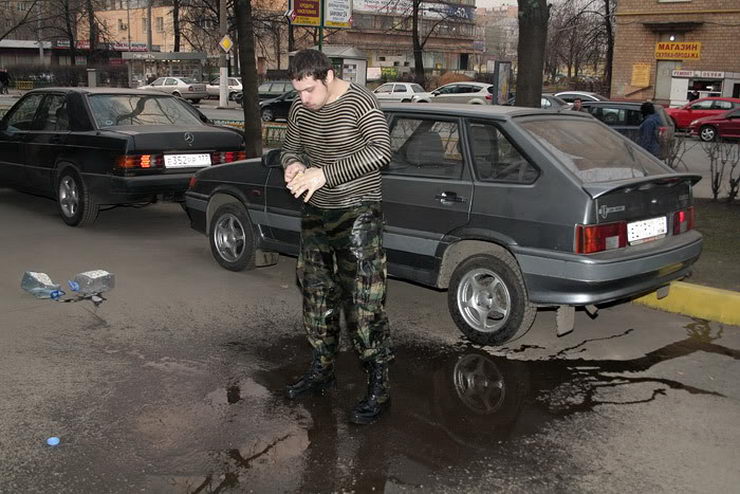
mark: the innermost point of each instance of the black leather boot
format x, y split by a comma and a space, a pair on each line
317, 379
378, 398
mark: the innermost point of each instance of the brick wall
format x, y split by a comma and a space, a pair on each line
719, 34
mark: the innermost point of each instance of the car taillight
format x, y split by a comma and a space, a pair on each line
489, 97
684, 220
218, 158
597, 238
131, 161
193, 181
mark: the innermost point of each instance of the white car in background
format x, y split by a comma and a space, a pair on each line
470, 92
184, 87
235, 86
402, 92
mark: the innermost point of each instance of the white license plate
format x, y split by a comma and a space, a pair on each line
642, 231
186, 160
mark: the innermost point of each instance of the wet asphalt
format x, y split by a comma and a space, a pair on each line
175, 384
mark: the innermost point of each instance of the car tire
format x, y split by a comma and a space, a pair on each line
707, 133
267, 115
488, 301
231, 95
74, 201
176, 93
232, 238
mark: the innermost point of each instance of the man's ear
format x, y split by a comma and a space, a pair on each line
330, 76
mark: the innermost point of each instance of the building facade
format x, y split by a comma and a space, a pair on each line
666, 48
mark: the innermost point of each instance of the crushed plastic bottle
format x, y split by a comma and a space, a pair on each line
92, 282
53, 441
40, 285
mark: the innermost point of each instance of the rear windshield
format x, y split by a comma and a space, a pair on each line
592, 152
114, 110
417, 88
189, 80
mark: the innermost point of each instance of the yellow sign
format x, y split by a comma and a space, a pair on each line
305, 12
678, 50
226, 43
640, 75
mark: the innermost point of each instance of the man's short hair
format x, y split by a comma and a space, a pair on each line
647, 108
309, 63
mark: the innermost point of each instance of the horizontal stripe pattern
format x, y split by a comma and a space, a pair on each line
347, 138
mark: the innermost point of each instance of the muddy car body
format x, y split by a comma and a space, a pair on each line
508, 208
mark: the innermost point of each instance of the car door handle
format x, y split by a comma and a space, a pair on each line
449, 198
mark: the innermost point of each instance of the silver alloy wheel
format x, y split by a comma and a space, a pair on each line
479, 384
69, 196
483, 300
229, 237
707, 133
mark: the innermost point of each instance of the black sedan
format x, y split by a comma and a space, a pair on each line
507, 208
272, 109
89, 148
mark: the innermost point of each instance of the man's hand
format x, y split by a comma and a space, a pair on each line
292, 170
308, 181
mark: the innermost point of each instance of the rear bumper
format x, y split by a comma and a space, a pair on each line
556, 278
110, 189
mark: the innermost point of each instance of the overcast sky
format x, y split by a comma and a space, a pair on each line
494, 3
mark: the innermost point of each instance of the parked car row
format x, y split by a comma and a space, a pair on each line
507, 208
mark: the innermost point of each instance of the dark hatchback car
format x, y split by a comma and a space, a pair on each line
507, 208
625, 117
89, 148
277, 108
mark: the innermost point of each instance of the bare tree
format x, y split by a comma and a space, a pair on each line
533, 20
16, 22
248, 66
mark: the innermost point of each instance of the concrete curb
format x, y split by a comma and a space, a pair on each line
699, 301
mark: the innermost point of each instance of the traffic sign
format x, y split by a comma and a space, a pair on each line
226, 43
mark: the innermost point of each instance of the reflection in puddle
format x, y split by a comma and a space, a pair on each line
452, 408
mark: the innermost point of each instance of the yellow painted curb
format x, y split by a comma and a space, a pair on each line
698, 301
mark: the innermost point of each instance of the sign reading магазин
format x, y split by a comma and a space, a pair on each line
405, 7
678, 50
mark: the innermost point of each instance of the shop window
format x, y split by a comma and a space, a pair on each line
160, 24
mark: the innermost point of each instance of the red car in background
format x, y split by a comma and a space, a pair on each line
724, 125
700, 108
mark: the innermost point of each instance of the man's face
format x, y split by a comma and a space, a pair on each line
313, 93
577, 104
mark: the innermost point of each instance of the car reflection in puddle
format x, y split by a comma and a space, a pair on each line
454, 409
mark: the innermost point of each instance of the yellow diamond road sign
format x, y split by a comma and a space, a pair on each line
226, 43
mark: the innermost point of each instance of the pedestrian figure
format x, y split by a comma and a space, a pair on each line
693, 95
4, 81
648, 138
578, 105
336, 143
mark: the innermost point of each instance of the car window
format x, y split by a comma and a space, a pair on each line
264, 87
545, 103
417, 88
702, 105
447, 89
399, 88
215, 82
590, 151
158, 82
425, 148
233, 82
721, 105
568, 97
22, 116
495, 158
113, 110
277, 87
188, 80
170, 82
52, 114
385, 88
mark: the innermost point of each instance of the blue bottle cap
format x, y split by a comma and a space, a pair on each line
73, 285
52, 441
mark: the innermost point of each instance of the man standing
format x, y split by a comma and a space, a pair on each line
336, 143
578, 105
649, 129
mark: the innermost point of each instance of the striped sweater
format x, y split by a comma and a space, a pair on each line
348, 138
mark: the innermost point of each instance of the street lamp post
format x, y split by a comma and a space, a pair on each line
223, 79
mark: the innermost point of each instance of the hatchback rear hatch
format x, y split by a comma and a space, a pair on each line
635, 198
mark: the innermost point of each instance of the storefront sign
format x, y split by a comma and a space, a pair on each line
699, 74
640, 75
430, 10
678, 50
338, 13
305, 12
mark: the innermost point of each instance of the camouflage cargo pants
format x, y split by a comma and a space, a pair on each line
344, 267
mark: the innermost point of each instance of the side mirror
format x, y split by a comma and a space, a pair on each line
435, 93
271, 159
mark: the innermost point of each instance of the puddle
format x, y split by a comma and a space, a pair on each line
453, 408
